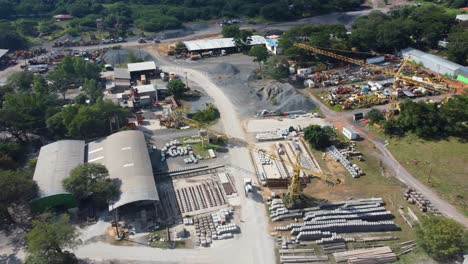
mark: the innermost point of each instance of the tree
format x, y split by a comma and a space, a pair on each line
277, 67
207, 115
47, 240
457, 49
176, 88
92, 90
260, 53
319, 137
17, 188
20, 81
243, 40
375, 116
441, 237
230, 31
91, 180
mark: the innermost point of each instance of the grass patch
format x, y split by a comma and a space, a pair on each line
199, 150
440, 165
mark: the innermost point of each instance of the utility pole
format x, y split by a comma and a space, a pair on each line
186, 79
429, 175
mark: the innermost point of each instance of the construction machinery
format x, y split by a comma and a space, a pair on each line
295, 183
427, 84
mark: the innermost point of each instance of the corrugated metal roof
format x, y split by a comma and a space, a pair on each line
220, 43
3, 52
121, 73
145, 88
436, 60
54, 164
462, 17
126, 157
141, 66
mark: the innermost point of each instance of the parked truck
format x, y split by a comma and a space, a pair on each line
248, 187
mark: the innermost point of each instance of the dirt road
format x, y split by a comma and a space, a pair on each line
392, 164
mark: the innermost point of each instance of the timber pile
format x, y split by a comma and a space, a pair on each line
302, 259
378, 255
335, 247
372, 239
296, 251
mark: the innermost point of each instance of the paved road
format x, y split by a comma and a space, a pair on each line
390, 162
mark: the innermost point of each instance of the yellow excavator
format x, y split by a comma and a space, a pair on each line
294, 187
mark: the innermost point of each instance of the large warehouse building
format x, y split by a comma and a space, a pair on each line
124, 154
216, 45
54, 163
432, 62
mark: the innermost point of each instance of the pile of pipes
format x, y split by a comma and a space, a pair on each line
349, 227
204, 229
421, 202
264, 159
334, 247
228, 228
278, 212
377, 255
174, 149
353, 169
302, 259
222, 216
270, 136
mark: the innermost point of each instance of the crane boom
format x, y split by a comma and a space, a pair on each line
241, 142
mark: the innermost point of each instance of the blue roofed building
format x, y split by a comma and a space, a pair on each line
271, 43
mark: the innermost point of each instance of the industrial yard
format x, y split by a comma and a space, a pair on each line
218, 160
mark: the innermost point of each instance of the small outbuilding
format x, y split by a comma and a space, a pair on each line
140, 69
350, 134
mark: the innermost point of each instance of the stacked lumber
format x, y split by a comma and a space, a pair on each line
302, 259
296, 251
335, 247
377, 255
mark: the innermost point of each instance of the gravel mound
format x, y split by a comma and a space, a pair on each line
282, 97
224, 69
122, 56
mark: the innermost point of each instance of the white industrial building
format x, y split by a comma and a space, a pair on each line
124, 154
432, 62
216, 45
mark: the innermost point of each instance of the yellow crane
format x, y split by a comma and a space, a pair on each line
294, 186
442, 88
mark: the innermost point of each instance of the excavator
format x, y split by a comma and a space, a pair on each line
294, 193
393, 102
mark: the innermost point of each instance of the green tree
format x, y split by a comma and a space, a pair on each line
92, 90
11, 154
260, 53
375, 116
441, 237
176, 88
48, 239
40, 85
209, 114
20, 81
319, 137
230, 31
91, 180
243, 40
457, 49
277, 67
17, 188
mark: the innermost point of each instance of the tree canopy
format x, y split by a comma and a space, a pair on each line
176, 88
17, 188
260, 53
91, 180
441, 237
48, 239
319, 137
209, 114
277, 67
375, 116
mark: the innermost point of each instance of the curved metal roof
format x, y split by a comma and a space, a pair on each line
126, 157
54, 164
219, 43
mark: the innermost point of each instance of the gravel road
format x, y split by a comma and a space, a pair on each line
391, 163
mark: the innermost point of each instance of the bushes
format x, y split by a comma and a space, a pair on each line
210, 114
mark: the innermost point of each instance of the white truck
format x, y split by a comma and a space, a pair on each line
248, 187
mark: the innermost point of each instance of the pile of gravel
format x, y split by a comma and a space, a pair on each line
282, 97
122, 56
224, 69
